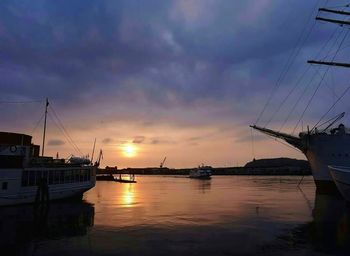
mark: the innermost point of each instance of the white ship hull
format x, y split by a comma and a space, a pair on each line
324, 150
321, 149
17, 193
341, 177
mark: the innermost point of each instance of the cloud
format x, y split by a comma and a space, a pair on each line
136, 66
107, 140
138, 139
162, 140
255, 138
55, 142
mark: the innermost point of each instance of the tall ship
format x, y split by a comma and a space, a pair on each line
27, 177
322, 146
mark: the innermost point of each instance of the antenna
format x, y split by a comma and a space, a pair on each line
44, 134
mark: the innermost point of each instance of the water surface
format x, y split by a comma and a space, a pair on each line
162, 215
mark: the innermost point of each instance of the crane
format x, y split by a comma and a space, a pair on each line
100, 156
162, 163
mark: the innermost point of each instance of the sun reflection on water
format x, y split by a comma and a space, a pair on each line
128, 195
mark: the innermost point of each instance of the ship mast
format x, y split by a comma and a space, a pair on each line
341, 22
44, 134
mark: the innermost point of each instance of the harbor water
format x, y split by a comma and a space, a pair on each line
163, 215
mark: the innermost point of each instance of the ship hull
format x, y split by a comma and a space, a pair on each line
341, 177
324, 150
17, 192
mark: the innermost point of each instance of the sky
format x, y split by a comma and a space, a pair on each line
181, 79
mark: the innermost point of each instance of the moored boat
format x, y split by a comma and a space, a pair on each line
202, 172
322, 148
341, 177
26, 177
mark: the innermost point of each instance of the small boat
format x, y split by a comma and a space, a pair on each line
341, 178
202, 172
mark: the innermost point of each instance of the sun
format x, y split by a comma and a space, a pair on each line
129, 150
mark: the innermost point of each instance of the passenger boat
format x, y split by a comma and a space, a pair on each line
341, 177
26, 177
202, 172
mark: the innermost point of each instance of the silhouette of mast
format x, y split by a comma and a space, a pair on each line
44, 134
333, 11
341, 22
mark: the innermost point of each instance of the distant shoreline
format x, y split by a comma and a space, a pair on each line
216, 171
272, 166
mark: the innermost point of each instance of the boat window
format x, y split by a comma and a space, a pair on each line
70, 176
81, 178
88, 174
45, 175
51, 175
25, 178
31, 178
38, 177
76, 175
57, 177
61, 177
4, 185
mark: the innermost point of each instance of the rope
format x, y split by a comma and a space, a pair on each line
301, 77
253, 151
37, 124
320, 83
297, 102
335, 103
68, 140
20, 102
290, 60
63, 130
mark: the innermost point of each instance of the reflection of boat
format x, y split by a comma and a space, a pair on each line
328, 233
22, 227
341, 177
26, 177
202, 172
330, 229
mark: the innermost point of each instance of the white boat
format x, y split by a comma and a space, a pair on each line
25, 177
321, 148
202, 172
341, 177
